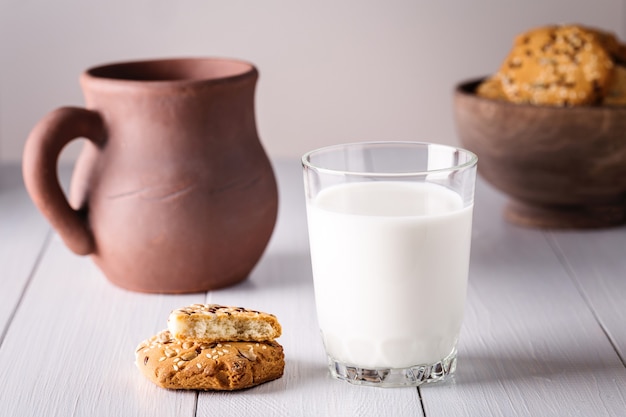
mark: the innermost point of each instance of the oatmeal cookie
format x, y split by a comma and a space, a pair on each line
557, 65
616, 94
214, 322
491, 88
176, 364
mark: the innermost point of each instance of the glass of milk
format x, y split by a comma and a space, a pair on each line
389, 230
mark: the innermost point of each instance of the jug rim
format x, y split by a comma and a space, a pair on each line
175, 71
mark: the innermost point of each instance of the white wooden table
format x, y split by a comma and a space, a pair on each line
544, 334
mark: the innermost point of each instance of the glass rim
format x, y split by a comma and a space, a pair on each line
472, 159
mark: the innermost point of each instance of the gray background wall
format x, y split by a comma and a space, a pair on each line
331, 71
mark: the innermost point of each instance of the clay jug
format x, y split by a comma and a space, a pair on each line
173, 191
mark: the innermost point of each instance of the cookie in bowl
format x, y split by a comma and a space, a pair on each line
549, 128
556, 65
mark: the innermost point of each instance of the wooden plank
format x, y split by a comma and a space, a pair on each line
597, 262
22, 235
282, 284
70, 348
530, 345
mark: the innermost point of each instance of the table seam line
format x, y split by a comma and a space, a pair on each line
29, 279
419, 394
571, 273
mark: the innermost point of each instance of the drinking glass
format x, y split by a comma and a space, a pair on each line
389, 230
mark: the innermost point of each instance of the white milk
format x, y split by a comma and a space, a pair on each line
390, 262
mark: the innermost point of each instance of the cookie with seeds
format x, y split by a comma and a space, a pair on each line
195, 365
491, 88
557, 65
616, 94
611, 43
214, 322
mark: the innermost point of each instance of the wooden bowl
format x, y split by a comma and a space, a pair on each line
562, 167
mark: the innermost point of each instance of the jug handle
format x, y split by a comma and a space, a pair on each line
39, 168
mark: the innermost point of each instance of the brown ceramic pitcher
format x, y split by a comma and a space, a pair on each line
172, 191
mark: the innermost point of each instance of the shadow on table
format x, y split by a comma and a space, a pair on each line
475, 369
279, 270
301, 375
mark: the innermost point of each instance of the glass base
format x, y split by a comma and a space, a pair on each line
394, 377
